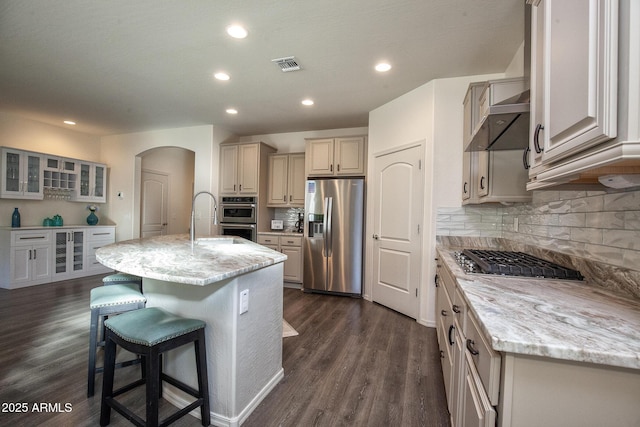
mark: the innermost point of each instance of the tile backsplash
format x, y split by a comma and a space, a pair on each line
596, 225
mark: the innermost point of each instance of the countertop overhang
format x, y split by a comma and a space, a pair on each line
171, 258
561, 319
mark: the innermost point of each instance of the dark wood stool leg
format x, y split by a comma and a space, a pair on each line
107, 379
203, 384
153, 383
93, 343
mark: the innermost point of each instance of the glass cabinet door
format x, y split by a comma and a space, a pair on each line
34, 175
22, 176
85, 180
99, 181
12, 172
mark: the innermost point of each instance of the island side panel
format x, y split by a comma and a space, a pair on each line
244, 352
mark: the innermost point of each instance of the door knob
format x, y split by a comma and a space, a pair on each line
375, 236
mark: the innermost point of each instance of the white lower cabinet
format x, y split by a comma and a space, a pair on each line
470, 368
29, 259
291, 246
42, 255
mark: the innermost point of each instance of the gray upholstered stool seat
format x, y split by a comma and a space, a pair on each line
149, 332
131, 280
106, 301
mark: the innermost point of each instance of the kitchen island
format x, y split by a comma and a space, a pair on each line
204, 281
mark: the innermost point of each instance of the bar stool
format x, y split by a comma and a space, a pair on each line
106, 301
133, 281
149, 332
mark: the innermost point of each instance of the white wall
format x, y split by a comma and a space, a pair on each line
293, 142
431, 114
121, 153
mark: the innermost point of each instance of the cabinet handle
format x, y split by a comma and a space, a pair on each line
451, 329
284, 198
338, 167
331, 168
234, 187
240, 187
441, 354
35, 253
290, 198
456, 309
464, 188
472, 350
30, 254
435, 280
536, 140
525, 158
482, 183
444, 313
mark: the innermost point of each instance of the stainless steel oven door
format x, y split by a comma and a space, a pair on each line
238, 213
246, 231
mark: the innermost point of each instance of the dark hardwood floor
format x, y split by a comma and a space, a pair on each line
354, 363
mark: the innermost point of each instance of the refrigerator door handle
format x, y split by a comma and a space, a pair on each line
328, 231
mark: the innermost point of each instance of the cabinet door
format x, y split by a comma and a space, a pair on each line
320, 157
483, 174
580, 75
77, 251
466, 176
228, 169
249, 169
61, 254
296, 180
349, 156
99, 183
293, 264
278, 180
41, 263
21, 264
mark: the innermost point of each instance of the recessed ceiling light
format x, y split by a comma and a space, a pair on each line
383, 67
221, 76
69, 122
307, 102
236, 31
232, 111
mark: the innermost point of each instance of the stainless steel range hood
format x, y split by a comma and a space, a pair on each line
503, 112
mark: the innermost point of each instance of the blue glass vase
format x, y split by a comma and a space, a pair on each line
15, 218
92, 219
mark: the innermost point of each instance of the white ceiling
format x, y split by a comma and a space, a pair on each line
123, 66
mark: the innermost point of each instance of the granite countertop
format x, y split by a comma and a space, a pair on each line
171, 258
562, 319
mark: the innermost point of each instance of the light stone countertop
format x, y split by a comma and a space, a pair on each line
171, 258
561, 319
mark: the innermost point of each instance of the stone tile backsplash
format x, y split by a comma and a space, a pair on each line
597, 225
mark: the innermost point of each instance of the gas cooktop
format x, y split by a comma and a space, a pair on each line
512, 264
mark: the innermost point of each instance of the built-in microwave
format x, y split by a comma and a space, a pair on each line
238, 210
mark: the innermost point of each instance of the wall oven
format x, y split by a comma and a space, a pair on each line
238, 217
238, 210
246, 231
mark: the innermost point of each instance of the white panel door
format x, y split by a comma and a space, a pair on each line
398, 197
154, 200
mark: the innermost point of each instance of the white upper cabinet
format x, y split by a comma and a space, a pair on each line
336, 156
92, 183
286, 180
21, 176
575, 62
240, 166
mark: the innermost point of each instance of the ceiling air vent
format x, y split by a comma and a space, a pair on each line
287, 64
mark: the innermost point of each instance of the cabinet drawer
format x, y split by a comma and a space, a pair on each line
478, 411
19, 238
103, 233
267, 239
484, 358
290, 241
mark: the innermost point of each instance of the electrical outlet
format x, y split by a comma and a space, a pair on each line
244, 301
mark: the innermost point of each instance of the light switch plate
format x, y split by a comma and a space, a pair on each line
244, 301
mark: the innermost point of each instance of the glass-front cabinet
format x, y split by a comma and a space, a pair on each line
69, 253
60, 177
21, 176
92, 182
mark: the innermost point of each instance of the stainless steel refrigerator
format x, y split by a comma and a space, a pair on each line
333, 236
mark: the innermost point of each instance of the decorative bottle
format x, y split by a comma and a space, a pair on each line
15, 218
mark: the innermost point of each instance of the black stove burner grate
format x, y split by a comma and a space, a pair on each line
518, 264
